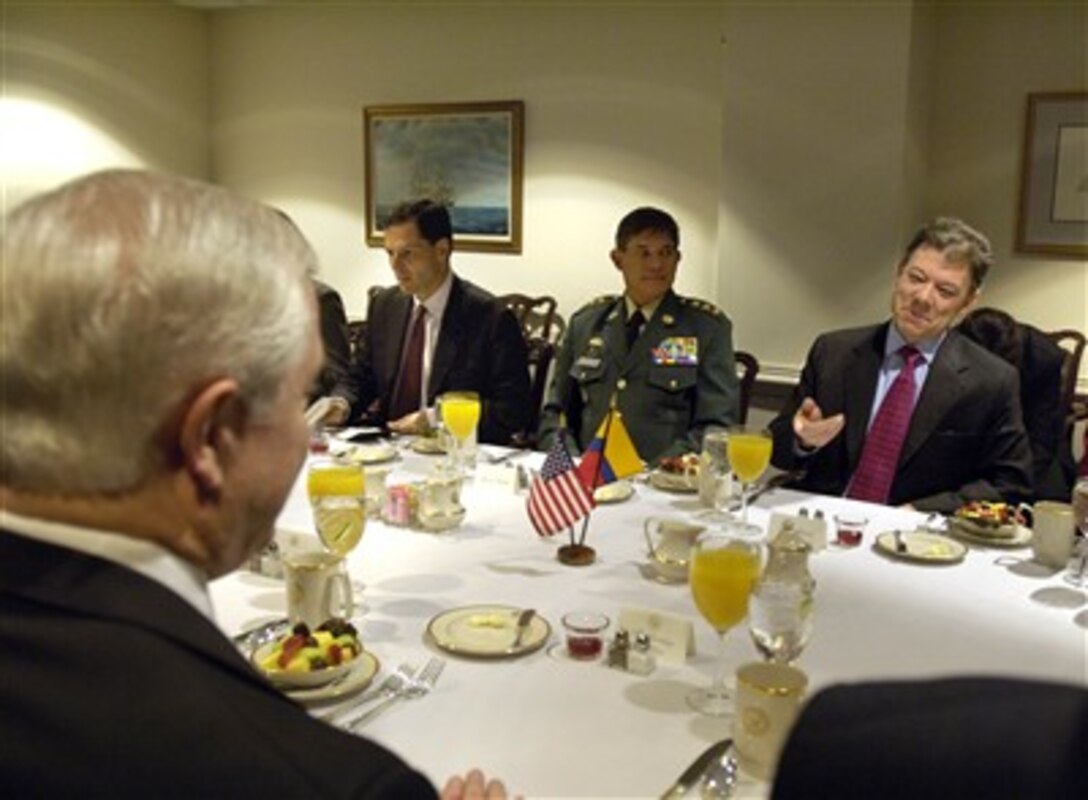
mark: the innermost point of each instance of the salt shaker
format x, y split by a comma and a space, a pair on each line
640, 660
619, 650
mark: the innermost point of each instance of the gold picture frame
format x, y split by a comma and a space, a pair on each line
1053, 216
468, 156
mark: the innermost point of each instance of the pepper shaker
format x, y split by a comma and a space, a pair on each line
619, 650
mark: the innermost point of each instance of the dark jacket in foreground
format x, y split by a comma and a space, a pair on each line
113, 686
480, 348
966, 439
959, 739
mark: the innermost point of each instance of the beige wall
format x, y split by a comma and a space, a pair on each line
621, 110
87, 86
797, 143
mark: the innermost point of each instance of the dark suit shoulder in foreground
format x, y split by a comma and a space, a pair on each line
113, 686
957, 738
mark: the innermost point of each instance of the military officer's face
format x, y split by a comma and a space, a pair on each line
419, 266
648, 262
931, 292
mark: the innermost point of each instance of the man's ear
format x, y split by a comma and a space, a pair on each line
209, 431
616, 255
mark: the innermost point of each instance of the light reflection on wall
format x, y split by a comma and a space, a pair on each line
42, 145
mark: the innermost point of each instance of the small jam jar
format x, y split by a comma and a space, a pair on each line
585, 634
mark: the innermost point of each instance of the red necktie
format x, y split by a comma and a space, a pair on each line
409, 388
880, 455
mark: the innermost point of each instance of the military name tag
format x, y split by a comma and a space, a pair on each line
677, 351
588, 362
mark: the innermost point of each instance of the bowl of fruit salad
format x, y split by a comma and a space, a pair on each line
305, 658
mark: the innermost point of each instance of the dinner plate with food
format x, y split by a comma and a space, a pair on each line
322, 664
991, 524
615, 492
429, 444
920, 547
370, 453
677, 474
488, 631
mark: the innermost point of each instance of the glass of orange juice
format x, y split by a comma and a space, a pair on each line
337, 491
460, 414
724, 569
749, 456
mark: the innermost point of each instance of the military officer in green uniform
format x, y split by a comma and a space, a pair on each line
666, 359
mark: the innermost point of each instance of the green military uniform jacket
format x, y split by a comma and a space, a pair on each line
678, 378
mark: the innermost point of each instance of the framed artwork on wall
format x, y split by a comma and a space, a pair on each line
467, 156
1054, 176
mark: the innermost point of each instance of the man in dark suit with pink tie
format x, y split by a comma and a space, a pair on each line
909, 412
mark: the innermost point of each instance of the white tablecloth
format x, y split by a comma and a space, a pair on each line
552, 727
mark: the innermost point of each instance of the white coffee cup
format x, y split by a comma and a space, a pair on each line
1052, 533
768, 699
318, 587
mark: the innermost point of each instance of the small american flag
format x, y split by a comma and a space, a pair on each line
557, 497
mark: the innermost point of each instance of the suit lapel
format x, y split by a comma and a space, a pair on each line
652, 332
399, 314
612, 331
449, 341
939, 394
859, 388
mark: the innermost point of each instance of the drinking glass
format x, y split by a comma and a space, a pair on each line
1078, 570
460, 412
715, 478
749, 455
337, 491
724, 568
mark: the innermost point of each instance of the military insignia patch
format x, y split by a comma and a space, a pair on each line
681, 351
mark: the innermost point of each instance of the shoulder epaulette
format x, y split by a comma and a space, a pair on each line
702, 305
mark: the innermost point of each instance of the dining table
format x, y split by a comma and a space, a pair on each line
552, 726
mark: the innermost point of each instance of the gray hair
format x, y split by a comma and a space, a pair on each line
958, 242
123, 293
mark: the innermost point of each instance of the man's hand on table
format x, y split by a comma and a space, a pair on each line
415, 423
473, 787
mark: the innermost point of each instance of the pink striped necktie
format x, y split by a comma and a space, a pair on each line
873, 478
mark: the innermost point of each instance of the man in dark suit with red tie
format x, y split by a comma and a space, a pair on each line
159, 342
910, 412
435, 332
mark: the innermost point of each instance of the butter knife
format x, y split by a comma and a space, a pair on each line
691, 776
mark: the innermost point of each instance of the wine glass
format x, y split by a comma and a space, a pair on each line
715, 478
337, 491
460, 412
724, 569
749, 456
1078, 570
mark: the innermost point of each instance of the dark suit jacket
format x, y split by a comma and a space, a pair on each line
966, 439
111, 685
480, 348
1041, 363
335, 373
958, 739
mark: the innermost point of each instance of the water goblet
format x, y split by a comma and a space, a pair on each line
724, 569
749, 455
715, 475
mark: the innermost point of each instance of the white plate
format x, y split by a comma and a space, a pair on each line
1020, 538
486, 631
362, 672
301, 680
371, 453
615, 492
428, 446
687, 483
922, 548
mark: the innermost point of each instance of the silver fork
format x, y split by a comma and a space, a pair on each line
393, 683
422, 684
